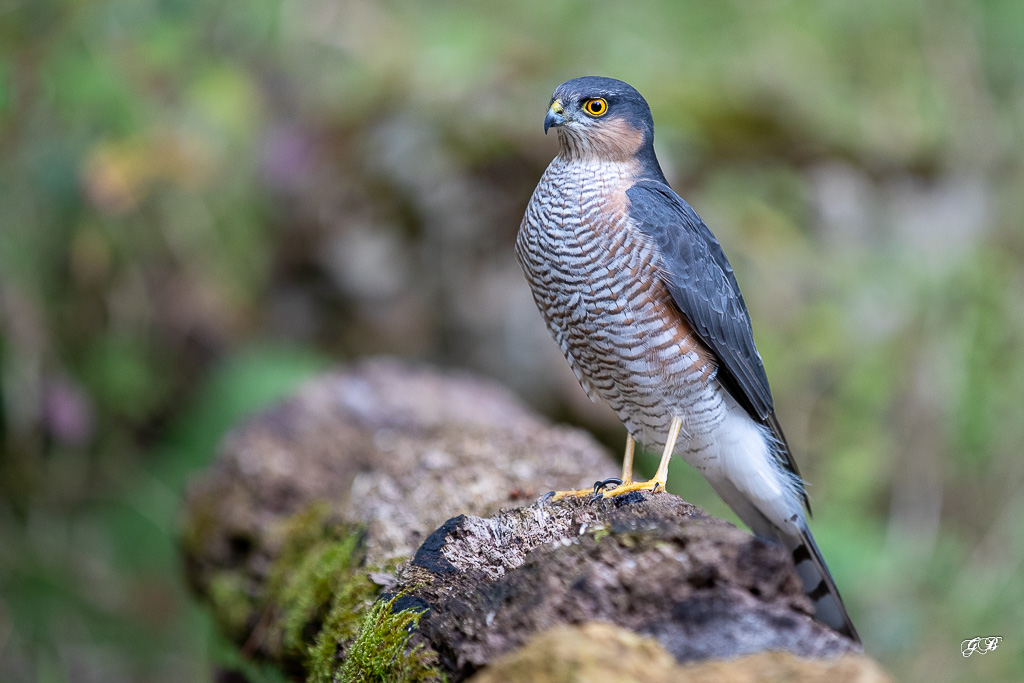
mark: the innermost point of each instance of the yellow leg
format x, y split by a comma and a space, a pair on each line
627, 460
661, 475
670, 446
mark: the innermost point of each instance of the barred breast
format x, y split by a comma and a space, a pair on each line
594, 277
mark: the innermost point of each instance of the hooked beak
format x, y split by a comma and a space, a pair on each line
554, 118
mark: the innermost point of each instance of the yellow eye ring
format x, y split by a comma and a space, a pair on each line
596, 106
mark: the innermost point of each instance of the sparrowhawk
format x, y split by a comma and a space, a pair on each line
644, 304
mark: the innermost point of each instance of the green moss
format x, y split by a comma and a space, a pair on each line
342, 625
316, 608
232, 605
381, 653
318, 574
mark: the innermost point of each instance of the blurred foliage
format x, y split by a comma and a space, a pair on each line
202, 202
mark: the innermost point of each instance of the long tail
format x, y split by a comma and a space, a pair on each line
810, 565
818, 583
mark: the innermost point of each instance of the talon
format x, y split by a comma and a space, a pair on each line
650, 486
546, 498
605, 483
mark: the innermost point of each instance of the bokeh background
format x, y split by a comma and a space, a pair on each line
203, 202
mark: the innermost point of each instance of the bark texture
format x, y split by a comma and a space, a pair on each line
390, 481
384, 451
650, 563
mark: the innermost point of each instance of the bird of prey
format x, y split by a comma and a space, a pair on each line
641, 299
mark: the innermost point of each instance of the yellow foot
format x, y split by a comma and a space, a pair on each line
584, 493
577, 493
622, 489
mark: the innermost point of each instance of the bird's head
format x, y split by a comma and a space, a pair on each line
600, 118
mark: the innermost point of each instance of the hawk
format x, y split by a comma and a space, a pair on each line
641, 299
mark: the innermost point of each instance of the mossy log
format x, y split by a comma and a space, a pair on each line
385, 524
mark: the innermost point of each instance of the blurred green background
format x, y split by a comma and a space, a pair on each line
202, 202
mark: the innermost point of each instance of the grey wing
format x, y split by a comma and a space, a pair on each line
703, 286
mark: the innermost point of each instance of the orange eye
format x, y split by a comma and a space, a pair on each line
596, 106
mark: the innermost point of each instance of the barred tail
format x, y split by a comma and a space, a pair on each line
818, 583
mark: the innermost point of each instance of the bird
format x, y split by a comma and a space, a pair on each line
642, 301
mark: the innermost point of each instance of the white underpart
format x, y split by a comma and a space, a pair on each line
738, 452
